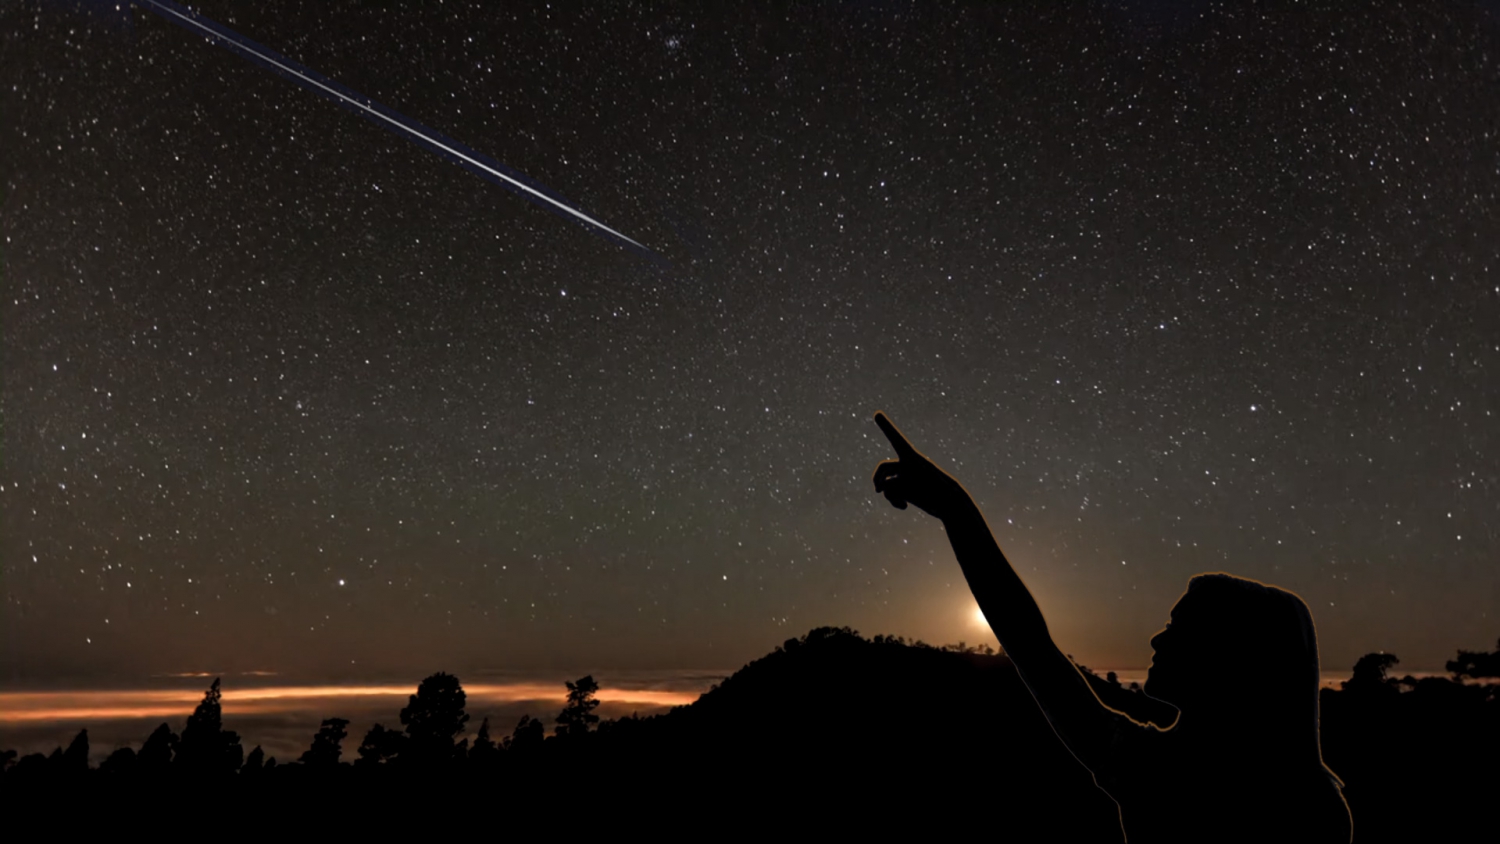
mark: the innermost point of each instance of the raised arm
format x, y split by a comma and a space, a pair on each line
1083, 723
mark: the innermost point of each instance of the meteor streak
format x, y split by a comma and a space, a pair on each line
483, 166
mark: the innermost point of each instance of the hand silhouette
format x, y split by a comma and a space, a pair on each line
911, 477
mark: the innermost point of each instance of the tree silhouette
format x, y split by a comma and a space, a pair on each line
1370, 674
327, 744
31, 766
433, 718
255, 762
156, 753
75, 760
577, 715
206, 747
527, 736
1476, 664
1413, 749
379, 746
120, 763
484, 754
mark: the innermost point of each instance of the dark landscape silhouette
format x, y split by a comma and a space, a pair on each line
1231, 739
831, 731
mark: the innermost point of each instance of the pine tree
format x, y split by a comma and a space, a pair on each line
156, 753
577, 716
206, 747
327, 744
527, 736
485, 753
380, 746
75, 760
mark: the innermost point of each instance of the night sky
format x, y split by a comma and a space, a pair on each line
1171, 287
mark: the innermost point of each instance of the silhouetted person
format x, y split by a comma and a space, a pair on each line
1239, 660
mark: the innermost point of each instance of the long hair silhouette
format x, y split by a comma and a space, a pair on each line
1248, 651
1239, 661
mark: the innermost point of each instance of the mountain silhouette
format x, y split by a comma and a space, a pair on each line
871, 736
829, 734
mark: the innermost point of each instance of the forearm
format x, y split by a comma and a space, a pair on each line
1075, 712
1006, 602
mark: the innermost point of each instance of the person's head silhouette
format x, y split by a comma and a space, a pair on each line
1240, 658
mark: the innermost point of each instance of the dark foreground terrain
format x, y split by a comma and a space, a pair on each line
831, 734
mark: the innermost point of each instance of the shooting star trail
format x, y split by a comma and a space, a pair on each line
481, 165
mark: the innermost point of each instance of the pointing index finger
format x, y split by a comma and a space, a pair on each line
898, 442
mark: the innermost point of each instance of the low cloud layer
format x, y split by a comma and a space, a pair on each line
283, 718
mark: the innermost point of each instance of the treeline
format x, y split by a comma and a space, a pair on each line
831, 731
429, 740
432, 724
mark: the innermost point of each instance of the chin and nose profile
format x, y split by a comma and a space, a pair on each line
1238, 659
1174, 653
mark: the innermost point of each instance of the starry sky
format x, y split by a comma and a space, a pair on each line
1171, 287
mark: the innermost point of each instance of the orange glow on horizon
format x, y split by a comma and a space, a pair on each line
24, 707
